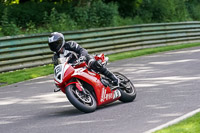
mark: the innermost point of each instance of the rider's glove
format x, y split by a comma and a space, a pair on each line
81, 59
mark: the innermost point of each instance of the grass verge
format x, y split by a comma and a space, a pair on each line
25, 74
148, 51
190, 125
30, 73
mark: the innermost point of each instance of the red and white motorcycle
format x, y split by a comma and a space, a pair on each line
87, 89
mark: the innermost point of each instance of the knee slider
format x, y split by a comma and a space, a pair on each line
95, 65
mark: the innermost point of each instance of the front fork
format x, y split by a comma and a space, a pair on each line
80, 86
56, 90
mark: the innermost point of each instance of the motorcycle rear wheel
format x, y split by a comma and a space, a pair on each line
83, 102
128, 93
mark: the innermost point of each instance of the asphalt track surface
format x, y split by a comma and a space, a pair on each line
167, 88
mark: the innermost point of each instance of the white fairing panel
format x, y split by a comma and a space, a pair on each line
59, 71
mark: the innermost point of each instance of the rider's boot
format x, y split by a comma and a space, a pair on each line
110, 75
98, 67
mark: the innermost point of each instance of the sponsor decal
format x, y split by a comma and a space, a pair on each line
73, 44
108, 96
91, 73
79, 71
51, 39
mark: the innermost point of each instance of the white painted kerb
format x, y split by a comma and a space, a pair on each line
174, 121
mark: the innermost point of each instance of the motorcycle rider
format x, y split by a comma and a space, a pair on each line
61, 48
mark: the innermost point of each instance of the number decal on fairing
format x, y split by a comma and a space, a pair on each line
117, 94
58, 69
58, 73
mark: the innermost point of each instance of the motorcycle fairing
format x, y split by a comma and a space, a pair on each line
77, 86
103, 94
62, 73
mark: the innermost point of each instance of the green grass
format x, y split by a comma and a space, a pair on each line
30, 73
148, 51
25, 74
190, 125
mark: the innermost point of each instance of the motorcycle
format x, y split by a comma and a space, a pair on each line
87, 89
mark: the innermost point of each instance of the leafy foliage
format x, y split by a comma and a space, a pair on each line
193, 7
33, 17
8, 27
94, 15
37, 16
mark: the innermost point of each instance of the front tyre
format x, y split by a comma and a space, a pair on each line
83, 102
127, 89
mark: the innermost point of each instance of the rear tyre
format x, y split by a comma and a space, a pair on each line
83, 102
127, 89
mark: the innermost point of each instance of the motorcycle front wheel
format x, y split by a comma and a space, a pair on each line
127, 89
84, 102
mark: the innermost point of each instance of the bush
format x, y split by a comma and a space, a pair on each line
31, 12
119, 21
2, 9
169, 11
102, 15
147, 11
34, 17
98, 14
193, 9
38, 17
8, 28
81, 16
58, 21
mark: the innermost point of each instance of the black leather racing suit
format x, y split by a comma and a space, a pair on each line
72, 46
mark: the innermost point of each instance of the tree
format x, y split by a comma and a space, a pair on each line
127, 8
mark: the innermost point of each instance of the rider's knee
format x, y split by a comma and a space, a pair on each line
95, 65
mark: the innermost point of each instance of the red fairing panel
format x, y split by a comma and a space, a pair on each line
76, 83
68, 73
103, 94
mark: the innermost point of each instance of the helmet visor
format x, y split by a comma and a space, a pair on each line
56, 46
